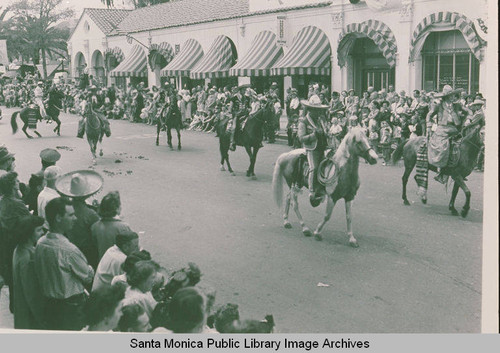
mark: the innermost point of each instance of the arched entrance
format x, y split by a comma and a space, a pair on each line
112, 58
447, 50
79, 64
160, 55
367, 51
98, 68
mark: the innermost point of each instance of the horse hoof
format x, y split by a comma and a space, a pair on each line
254, 177
406, 202
232, 173
222, 169
287, 225
100, 153
424, 200
248, 174
318, 237
454, 212
307, 232
464, 213
354, 243
30, 137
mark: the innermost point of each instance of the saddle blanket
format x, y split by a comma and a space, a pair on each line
32, 120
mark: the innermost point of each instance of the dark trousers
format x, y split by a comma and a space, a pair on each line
65, 314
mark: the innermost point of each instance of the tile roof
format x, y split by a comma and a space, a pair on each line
107, 19
182, 12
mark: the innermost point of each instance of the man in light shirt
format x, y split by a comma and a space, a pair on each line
62, 269
38, 93
49, 191
111, 263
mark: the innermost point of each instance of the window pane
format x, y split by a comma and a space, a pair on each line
430, 72
460, 42
445, 71
462, 71
446, 40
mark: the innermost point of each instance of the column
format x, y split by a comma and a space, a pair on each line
244, 80
406, 74
287, 82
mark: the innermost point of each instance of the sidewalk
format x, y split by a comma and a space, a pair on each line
6, 318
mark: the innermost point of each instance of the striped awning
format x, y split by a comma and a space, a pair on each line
438, 21
188, 57
309, 54
263, 54
134, 65
377, 31
217, 62
163, 49
115, 52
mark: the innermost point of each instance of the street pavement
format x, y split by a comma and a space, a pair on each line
418, 268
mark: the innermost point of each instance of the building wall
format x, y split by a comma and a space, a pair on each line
331, 20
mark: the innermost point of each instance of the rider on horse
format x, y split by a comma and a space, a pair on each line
312, 133
239, 108
449, 118
96, 106
38, 94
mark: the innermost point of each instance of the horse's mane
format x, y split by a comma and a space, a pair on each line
342, 154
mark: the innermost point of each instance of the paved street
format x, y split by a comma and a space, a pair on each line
418, 269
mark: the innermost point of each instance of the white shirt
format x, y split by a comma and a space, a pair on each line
44, 197
109, 267
145, 300
38, 92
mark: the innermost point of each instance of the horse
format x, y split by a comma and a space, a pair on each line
53, 109
170, 118
251, 135
469, 150
290, 166
94, 129
224, 143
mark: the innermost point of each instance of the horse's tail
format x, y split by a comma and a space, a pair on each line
13, 122
398, 152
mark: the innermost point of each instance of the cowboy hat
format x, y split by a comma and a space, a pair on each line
477, 102
447, 91
314, 102
50, 155
79, 183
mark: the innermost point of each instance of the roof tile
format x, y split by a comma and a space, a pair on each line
107, 19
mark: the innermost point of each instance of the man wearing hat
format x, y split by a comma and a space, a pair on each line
38, 93
79, 186
96, 104
449, 117
239, 109
6, 159
49, 192
312, 134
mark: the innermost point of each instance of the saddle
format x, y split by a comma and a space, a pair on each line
327, 175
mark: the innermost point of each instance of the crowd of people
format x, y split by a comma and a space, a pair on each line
73, 265
70, 265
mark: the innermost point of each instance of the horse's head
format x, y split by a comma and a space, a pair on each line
357, 143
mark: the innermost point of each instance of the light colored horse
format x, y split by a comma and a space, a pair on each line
344, 186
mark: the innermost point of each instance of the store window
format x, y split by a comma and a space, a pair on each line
448, 60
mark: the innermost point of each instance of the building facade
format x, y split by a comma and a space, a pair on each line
412, 44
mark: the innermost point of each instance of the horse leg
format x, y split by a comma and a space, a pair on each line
461, 183
348, 215
230, 170
330, 204
25, 130
454, 193
252, 162
405, 178
178, 138
158, 133
305, 230
37, 133
169, 138
249, 152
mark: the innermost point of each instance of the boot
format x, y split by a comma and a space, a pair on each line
441, 178
81, 129
314, 198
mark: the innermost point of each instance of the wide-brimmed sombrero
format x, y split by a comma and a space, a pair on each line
79, 183
314, 102
447, 91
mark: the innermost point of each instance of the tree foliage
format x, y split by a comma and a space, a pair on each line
31, 31
135, 3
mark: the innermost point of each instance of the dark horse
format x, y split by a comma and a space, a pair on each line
94, 129
343, 184
469, 150
170, 118
54, 107
251, 135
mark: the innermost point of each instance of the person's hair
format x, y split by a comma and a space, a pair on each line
140, 272
335, 94
187, 310
160, 315
102, 303
7, 183
130, 315
123, 238
56, 207
110, 204
26, 227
